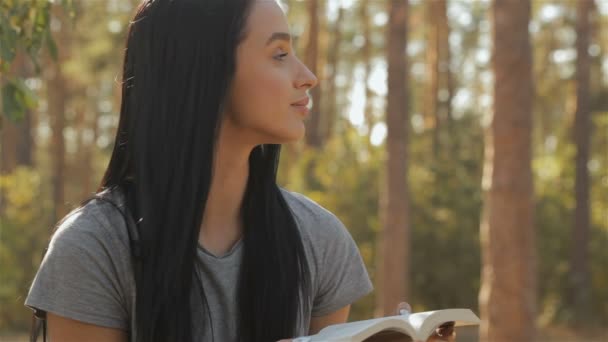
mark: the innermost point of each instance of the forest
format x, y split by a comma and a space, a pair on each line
463, 143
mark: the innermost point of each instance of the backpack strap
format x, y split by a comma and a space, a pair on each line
38, 326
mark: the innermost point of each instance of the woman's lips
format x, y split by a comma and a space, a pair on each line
301, 106
302, 102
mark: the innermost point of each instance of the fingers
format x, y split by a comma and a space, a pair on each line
445, 330
403, 306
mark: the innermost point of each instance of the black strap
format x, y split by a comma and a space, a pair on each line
38, 324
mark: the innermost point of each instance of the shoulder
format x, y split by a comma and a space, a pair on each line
315, 222
339, 276
93, 225
85, 273
303, 205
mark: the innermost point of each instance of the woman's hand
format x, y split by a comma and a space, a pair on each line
443, 333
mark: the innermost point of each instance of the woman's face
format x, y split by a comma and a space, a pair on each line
269, 79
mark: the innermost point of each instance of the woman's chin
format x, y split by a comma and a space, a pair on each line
289, 132
298, 132
289, 136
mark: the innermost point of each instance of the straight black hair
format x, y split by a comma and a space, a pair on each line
179, 63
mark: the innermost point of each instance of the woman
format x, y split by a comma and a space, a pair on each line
189, 238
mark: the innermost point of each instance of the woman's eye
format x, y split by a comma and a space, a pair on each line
280, 56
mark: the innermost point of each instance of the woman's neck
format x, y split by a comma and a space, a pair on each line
222, 226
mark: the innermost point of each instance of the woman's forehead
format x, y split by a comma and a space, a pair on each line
266, 18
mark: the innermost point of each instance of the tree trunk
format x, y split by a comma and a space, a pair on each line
366, 57
579, 265
9, 138
333, 62
508, 290
16, 139
445, 92
395, 269
83, 166
56, 99
438, 94
313, 127
57, 93
432, 69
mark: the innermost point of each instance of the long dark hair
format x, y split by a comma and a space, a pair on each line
179, 63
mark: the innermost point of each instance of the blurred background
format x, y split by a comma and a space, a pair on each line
466, 154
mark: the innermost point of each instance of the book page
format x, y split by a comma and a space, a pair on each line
426, 322
419, 326
389, 336
359, 331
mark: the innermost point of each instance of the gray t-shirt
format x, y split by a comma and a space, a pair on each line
87, 275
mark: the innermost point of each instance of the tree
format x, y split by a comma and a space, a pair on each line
366, 57
333, 63
16, 135
24, 28
439, 93
579, 265
508, 291
57, 93
394, 255
313, 128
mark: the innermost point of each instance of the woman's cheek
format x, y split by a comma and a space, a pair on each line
277, 83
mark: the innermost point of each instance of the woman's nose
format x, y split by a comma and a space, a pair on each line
306, 78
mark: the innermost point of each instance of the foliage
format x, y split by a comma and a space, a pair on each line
23, 237
25, 27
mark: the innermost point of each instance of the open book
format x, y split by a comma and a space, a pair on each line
418, 326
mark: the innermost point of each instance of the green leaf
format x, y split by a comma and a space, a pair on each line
29, 98
68, 6
52, 46
17, 98
8, 42
41, 27
10, 103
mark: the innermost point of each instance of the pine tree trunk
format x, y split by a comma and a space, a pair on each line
366, 50
83, 167
8, 138
313, 126
432, 69
16, 139
56, 99
57, 94
579, 265
445, 90
333, 62
439, 92
508, 290
395, 270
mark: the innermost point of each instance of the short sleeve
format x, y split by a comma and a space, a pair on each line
342, 277
78, 278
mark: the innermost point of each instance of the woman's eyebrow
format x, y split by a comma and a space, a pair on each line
279, 36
